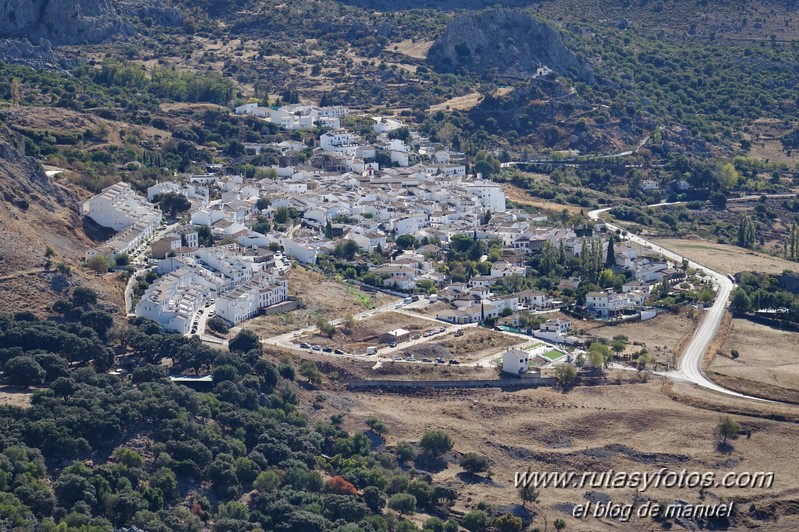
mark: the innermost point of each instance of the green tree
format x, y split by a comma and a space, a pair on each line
566, 374
406, 451
281, 215
727, 429
549, 259
377, 426
746, 232
728, 176
309, 370
98, 264
507, 523
173, 203
739, 300
599, 356
246, 341
406, 242
402, 503
436, 442
24, 371
610, 261
476, 521
559, 524
528, 493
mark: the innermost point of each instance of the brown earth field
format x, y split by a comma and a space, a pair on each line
475, 344
664, 335
367, 332
724, 258
323, 298
629, 428
767, 364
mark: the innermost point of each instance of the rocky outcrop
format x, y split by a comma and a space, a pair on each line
505, 42
60, 21
151, 11
22, 179
42, 55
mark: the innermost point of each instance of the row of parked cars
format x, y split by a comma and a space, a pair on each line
325, 349
433, 332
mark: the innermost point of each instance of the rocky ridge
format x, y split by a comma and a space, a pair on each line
503, 42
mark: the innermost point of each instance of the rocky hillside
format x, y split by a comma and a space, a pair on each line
38, 213
60, 21
504, 42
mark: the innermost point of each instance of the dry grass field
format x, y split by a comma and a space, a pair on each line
724, 258
629, 428
322, 297
461, 103
367, 332
768, 361
14, 397
413, 49
522, 197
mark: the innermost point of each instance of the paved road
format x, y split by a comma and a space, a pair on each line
690, 366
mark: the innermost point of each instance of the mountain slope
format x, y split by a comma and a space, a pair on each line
38, 214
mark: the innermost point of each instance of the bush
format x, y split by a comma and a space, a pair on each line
474, 463
218, 325
476, 521
436, 442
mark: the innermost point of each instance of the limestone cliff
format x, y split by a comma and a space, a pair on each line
60, 21
505, 42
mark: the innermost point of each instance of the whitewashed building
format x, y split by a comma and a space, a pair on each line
249, 299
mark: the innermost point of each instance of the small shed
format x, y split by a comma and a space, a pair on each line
395, 336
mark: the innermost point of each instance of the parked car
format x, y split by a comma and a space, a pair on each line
414, 298
410, 358
439, 361
305, 345
393, 344
327, 349
338, 351
316, 347
453, 361
396, 358
427, 361
459, 332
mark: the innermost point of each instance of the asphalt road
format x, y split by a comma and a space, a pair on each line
690, 366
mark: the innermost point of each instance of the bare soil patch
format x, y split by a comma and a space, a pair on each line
367, 332
322, 297
415, 50
475, 344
